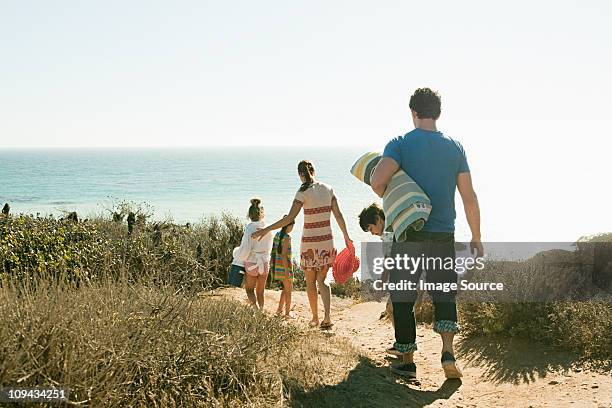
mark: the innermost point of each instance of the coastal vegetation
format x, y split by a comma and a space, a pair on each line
131, 319
126, 313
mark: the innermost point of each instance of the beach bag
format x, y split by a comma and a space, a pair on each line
346, 264
405, 204
236, 275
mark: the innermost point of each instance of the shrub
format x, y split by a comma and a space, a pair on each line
117, 344
190, 257
582, 327
351, 288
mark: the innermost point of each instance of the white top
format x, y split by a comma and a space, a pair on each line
254, 251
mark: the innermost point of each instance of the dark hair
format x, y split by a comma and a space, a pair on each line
283, 234
369, 215
255, 211
426, 103
306, 169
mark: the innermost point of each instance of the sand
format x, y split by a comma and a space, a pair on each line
498, 372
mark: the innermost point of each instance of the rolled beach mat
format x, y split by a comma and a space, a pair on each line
405, 204
364, 166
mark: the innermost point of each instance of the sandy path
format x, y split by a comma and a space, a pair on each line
497, 372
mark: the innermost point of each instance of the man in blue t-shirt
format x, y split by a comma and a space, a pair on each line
439, 165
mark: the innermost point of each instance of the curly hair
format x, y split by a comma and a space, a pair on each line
370, 216
426, 103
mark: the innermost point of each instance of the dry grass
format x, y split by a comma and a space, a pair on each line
556, 297
128, 319
119, 344
117, 319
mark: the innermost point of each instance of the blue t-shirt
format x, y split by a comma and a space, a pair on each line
433, 160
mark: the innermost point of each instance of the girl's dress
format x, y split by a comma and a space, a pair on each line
254, 253
278, 270
317, 247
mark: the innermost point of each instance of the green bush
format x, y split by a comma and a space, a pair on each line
79, 252
351, 288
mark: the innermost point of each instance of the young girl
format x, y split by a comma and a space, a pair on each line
317, 252
255, 255
282, 267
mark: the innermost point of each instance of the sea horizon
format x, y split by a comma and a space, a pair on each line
187, 184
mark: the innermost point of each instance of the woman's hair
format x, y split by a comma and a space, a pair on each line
369, 216
255, 210
306, 169
283, 234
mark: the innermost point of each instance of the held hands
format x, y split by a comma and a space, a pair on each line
259, 233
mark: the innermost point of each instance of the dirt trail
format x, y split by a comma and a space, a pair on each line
497, 372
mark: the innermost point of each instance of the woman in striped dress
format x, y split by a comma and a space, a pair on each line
317, 252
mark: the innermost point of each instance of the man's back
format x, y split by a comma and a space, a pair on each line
433, 161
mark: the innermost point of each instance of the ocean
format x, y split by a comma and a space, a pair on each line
186, 185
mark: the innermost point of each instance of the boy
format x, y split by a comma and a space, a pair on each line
372, 220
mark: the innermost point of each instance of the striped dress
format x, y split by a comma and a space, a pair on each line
317, 245
276, 267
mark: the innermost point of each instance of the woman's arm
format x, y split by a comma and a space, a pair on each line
286, 220
340, 219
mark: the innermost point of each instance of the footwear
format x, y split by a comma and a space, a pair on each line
407, 370
394, 352
449, 364
326, 325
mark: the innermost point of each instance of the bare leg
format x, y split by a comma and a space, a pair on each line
281, 303
287, 288
249, 287
451, 369
325, 293
261, 286
408, 358
311, 289
447, 342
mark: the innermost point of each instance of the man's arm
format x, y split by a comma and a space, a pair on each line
472, 210
385, 169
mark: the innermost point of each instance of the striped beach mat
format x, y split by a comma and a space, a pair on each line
405, 204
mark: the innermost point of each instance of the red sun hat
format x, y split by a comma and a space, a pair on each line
346, 264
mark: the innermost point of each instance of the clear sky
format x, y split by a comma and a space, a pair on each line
185, 73
526, 86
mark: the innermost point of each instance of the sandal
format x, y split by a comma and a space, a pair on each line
394, 352
451, 370
326, 325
